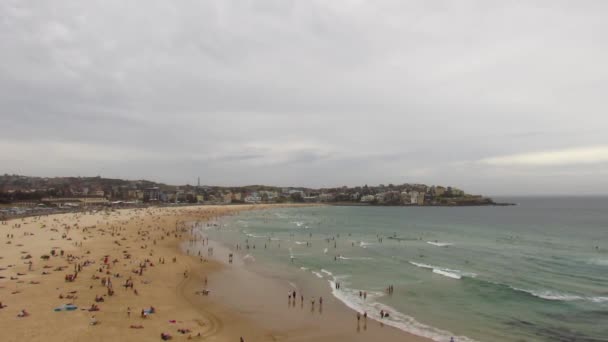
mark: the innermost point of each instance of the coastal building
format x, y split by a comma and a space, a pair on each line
438, 191
253, 199
405, 198
268, 196
326, 197
97, 193
367, 198
227, 197
454, 192
392, 197
413, 197
151, 194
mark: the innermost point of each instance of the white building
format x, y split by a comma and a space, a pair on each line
253, 199
368, 198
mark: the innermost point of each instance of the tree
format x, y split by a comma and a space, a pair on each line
297, 197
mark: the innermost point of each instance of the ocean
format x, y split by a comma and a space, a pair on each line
537, 271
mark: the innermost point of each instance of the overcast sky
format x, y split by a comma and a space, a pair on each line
495, 97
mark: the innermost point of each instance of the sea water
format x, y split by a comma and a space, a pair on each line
537, 271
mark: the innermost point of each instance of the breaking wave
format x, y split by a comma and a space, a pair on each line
354, 258
446, 272
559, 296
439, 244
350, 297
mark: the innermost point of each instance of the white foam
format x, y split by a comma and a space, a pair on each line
548, 294
364, 244
421, 265
447, 274
598, 299
354, 258
300, 243
256, 236
559, 296
598, 262
439, 244
350, 297
325, 251
304, 268
319, 275
249, 257
327, 272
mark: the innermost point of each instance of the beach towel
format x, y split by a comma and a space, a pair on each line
66, 307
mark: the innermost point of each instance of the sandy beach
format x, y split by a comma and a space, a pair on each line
122, 275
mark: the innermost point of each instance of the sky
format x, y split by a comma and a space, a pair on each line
493, 97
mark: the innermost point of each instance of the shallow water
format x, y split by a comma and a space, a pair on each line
533, 272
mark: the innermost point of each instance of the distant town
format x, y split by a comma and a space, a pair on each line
71, 192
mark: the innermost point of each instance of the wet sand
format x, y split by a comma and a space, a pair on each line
240, 303
258, 295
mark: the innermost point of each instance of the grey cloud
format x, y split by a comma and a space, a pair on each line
305, 92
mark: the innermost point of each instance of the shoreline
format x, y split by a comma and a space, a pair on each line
271, 287
134, 241
151, 237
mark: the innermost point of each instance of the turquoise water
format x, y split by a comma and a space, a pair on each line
537, 271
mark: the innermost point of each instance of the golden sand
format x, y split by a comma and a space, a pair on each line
118, 245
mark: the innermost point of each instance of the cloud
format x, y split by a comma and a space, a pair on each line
305, 92
570, 156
